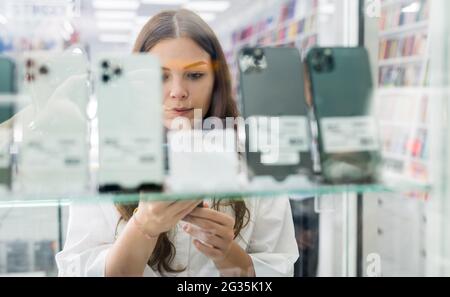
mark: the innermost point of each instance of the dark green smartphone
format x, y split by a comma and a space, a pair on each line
340, 89
272, 98
7, 87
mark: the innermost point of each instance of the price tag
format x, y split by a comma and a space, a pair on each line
349, 134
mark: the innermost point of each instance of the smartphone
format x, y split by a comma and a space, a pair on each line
272, 101
53, 151
8, 77
7, 108
130, 123
340, 88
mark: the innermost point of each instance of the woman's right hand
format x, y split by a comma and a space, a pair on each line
158, 217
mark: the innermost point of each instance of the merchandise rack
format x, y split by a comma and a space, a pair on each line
403, 52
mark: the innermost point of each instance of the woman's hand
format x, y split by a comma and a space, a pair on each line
214, 233
159, 217
213, 230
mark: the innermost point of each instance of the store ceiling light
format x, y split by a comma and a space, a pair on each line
114, 38
413, 7
212, 6
207, 16
116, 4
115, 15
114, 25
165, 2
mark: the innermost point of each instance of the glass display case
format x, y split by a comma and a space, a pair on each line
395, 227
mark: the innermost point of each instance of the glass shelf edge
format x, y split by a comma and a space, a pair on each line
314, 191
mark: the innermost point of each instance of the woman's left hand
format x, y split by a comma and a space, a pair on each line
213, 232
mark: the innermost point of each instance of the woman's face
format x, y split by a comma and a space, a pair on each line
188, 78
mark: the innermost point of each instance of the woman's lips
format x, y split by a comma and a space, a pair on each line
181, 111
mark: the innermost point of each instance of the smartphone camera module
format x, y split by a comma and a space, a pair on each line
32, 70
43, 70
109, 71
323, 61
252, 60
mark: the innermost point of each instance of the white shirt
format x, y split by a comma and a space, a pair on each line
269, 239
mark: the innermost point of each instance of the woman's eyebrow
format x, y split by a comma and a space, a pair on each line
199, 63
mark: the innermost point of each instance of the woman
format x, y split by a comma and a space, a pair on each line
231, 238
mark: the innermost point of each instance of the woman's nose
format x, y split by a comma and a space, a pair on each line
178, 91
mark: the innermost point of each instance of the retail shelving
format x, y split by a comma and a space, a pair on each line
403, 99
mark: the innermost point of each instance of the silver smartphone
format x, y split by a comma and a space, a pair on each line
130, 123
53, 149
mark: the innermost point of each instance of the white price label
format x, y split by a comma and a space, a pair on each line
351, 134
57, 152
281, 139
294, 134
280, 158
134, 151
285, 133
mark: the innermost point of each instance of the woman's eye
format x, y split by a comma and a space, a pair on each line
195, 75
165, 77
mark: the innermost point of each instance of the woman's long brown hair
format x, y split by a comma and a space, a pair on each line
176, 24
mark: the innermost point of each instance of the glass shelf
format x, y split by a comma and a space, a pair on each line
306, 191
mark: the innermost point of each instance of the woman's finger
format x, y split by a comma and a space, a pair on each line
206, 237
183, 213
178, 207
156, 206
210, 252
206, 224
